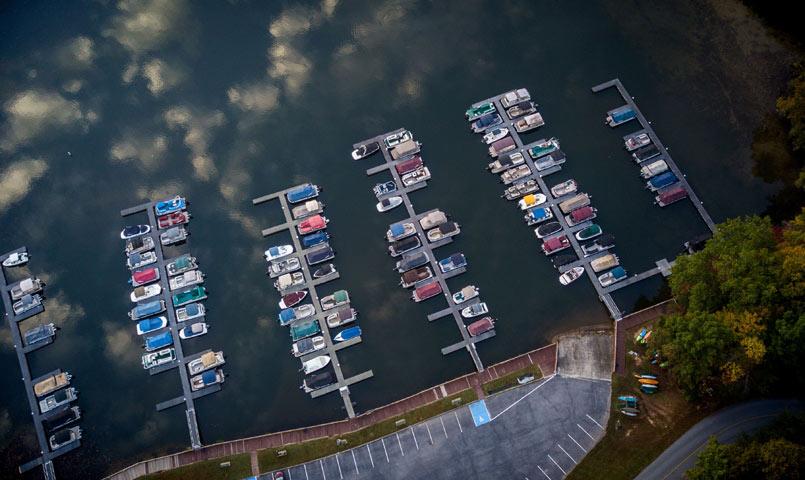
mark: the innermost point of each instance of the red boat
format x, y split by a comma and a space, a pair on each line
481, 326
142, 277
173, 219
409, 165
292, 299
581, 215
671, 195
427, 291
555, 244
312, 224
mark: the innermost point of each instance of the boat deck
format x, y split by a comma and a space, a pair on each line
342, 383
468, 342
46, 455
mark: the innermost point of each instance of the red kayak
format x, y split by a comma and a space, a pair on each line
292, 299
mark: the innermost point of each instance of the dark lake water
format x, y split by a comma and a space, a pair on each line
226, 101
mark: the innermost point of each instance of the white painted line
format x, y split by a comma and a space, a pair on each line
461, 430
305, 465
568, 455
557, 465
443, 427
357, 470
400, 444
384, 450
337, 462
599, 425
321, 464
414, 435
543, 472
577, 443
521, 398
429, 435
370, 455
290, 477
585, 431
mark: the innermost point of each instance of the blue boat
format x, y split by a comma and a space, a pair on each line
302, 193
662, 180
159, 341
315, 238
147, 309
320, 254
151, 324
538, 215
286, 316
173, 205
453, 262
620, 115
347, 334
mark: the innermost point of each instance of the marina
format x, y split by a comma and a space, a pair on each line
47, 454
310, 283
468, 341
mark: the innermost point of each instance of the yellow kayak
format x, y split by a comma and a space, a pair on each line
648, 381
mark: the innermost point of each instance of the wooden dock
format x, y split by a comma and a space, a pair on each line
342, 383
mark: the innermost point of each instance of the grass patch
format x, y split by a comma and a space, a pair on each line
303, 452
510, 380
240, 467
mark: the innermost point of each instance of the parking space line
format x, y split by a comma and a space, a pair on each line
443, 427
521, 398
290, 477
400, 444
577, 443
414, 435
337, 462
357, 470
599, 425
321, 464
370, 455
543, 472
557, 465
568, 455
585, 431
461, 430
305, 465
385, 451
429, 435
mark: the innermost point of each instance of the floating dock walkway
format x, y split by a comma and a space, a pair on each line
342, 383
46, 455
468, 342
188, 395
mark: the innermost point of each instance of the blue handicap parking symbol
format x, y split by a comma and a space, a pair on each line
480, 414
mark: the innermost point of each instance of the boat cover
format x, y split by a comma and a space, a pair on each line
315, 238
158, 341
409, 165
316, 221
555, 242
301, 193
341, 296
429, 290
538, 213
581, 214
663, 180
287, 315
397, 229
209, 377
672, 194
348, 333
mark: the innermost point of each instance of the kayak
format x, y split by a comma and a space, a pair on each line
648, 381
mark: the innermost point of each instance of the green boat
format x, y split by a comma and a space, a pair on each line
479, 111
544, 147
193, 295
590, 232
301, 330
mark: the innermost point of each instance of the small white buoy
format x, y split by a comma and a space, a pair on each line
69, 154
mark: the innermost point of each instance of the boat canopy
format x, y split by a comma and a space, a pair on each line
663, 180
555, 242
302, 193
315, 238
622, 113
538, 213
409, 165
428, 290
158, 341
582, 213
397, 229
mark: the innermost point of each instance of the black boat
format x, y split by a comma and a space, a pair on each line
602, 243
405, 245
412, 260
696, 243
365, 150
316, 381
324, 270
548, 229
644, 153
320, 254
61, 419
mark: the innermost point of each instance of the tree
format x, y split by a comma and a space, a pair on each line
792, 107
713, 462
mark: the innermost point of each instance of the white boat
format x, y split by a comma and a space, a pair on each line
529, 122
315, 364
186, 279
16, 259
421, 174
308, 345
466, 293
286, 265
531, 200
495, 135
654, 168
516, 173
278, 251
206, 361
474, 310
398, 231
388, 203
564, 188
172, 235
194, 330
432, 219
571, 275
206, 379
146, 291
308, 208
289, 280
26, 287
190, 311
137, 260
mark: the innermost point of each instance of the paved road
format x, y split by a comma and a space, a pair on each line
727, 425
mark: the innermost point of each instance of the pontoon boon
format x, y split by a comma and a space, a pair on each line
537, 215
432, 219
27, 286
307, 345
519, 189
384, 188
481, 326
520, 109
445, 230
479, 111
553, 159
51, 383
190, 311
310, 207
395, 139
654, 168
158, 341
605, 262
302, 193
398, 231
342, 317
417, 176
564, 188
405, 245
139, 245
62, 397
543, 147
574, 202
338, 298
413, 277
286, 265
615, 275
619, 115
514, 174
413, 260
555, 244
319, 254
670, 195
206, 379
486, 122
515, 96
504, 162
173, 235
39, 333
453, 262
137, 260
312, 224
206, 361
193, 295
145, 292
26, 303
505, 144
529, 122
181, 264
426, 291
155, 359
148, 309
581, 215
644, 153
636, 140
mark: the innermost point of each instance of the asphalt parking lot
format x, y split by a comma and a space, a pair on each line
536, 431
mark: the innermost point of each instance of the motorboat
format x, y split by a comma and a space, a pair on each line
571, 275
315, 364
289, 315
529, 122
145, 292
509, 99
308, 345
206, 361
194, 330
286, 265
26, 303
172, 220
207, 379
486, 122
324, 270
555, 244
475, 310
171, 205
398, 231
302, 193
581, 215
453, 262
563, 259
312, 224
395, 139
405, 245
161, 357
412, 260
307, 328
432, 219
365, 150
16, 259
661, 181
543, 147
645, 153
389, 203
138, 260
589, 233
413, 277
173, 236
158, 341
574, 202
670, 195
384, 188
654, 168
514, 174
147, 309
604, 242
520, 109
181, 264
151, 324
565, 188
139, 245
342, 317
317, 381
481, 326
132, 231
636, 140
310, 207
190, 311
347, 334
445, 230
61, 397
475, 113
421, 174
548, 229
613, 276
144, 277
537, 215
405, 149
531, 200
519, 189
553, 159
65, 437
39, 333
319, 254
337, 298
314, 238
289, 280
292, 299
278, 251
492, 136
424, 292
620, 115
28, 286
193, 295
505, 162
51, 383
605, 262
505, 144
62, 419
466, 293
